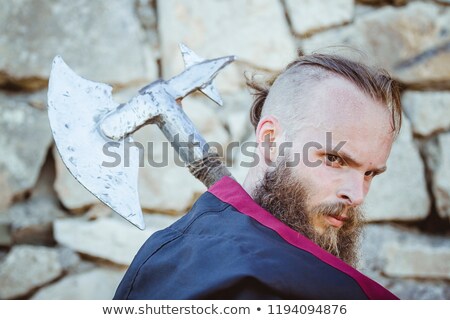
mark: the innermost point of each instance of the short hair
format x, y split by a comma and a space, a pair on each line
308, 69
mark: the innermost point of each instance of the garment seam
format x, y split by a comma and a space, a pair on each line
202, 214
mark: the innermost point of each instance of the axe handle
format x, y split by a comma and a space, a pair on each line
209, 170
155, 103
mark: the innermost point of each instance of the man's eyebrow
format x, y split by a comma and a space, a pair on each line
351, 161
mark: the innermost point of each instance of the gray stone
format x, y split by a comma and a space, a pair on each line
417, 260
420, 289
112, 239
147, 16
429, 111
31, 221
27, 268
25, 137
241, 160
415, 289
392, 252
70, 260
97, 284
7, 194
38, 99
44, 185
374, 237
309, 16
236, 161
441, 177
99, 211
101, 40
205, 115
417, 33
5, 230
217, 28
393, 2
362, 9
5, 236
170, 189
377, 260
235, 115
400, 193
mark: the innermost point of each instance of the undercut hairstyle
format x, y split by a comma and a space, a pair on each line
307, 71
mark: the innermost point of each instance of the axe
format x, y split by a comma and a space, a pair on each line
84, 119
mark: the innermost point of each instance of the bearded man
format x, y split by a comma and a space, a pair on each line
324, 128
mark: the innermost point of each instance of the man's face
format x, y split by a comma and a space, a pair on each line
322, 194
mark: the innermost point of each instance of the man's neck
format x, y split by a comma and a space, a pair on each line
252, 180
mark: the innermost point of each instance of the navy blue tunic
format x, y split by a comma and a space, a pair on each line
228, 247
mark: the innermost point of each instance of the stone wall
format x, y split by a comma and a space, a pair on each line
58, 242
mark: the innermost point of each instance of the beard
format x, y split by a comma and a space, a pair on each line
286, 198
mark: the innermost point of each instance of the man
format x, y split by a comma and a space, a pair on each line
324, 130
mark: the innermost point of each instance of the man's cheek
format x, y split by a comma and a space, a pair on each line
321, 183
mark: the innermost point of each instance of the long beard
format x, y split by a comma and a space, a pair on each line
286, 198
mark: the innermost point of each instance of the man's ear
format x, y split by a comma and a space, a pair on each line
268, 137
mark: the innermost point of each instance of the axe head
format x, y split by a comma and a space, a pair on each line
75, 108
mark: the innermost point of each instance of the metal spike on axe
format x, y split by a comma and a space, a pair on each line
84, 120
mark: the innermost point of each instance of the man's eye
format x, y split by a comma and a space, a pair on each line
370, 174
334, 159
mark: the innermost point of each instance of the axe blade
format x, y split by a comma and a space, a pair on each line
75, 108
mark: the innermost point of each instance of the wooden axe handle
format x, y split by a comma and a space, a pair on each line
209, 170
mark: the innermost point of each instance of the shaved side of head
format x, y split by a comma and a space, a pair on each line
289, 93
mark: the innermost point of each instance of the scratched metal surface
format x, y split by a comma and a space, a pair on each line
75, 107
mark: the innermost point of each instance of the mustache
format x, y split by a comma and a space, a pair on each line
353, 215
334, 210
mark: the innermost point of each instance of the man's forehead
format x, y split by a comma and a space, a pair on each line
337, 105
335, 98
354, 138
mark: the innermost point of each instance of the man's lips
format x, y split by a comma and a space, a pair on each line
336, 221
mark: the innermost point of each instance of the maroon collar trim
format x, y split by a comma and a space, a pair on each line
229, 191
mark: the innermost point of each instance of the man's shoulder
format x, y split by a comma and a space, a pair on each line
215, 249
212, 246
210, 219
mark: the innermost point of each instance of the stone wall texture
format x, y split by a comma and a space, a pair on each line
58, 242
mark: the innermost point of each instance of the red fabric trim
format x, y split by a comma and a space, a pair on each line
229, 191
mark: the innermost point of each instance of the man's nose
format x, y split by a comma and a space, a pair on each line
352, 192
